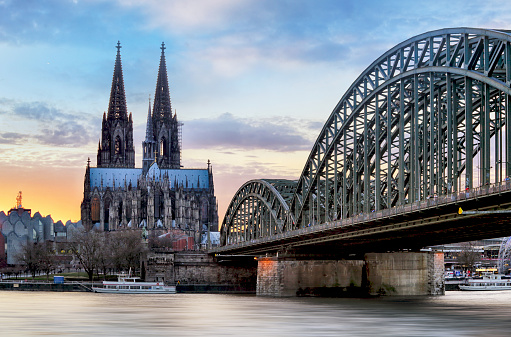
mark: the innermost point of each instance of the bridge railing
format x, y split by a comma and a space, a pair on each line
432, 202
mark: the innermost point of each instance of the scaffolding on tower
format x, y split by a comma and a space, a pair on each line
180, 138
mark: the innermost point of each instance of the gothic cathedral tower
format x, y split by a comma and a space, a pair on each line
165, 126
116, 146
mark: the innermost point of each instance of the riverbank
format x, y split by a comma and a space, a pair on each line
45, 286
21, 285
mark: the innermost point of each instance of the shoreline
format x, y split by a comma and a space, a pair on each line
22, 285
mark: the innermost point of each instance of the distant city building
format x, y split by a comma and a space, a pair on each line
486, 255
18, 227
160, 195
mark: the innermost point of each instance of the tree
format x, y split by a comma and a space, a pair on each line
28, 255
127, 249
468, 255
47, 258
3, 262
3, 265
105, 255
86, 247
164, 241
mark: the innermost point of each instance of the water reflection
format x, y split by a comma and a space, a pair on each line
85, 314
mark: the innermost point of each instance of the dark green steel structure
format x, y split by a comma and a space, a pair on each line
426, 121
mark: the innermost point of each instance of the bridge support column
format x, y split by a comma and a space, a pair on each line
405, 273
285, 277
389, 274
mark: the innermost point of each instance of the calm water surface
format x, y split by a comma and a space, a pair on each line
88, 314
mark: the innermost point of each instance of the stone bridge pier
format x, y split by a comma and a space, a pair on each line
390, 274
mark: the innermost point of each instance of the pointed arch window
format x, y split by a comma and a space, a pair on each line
118, 145
95, 209
163, 146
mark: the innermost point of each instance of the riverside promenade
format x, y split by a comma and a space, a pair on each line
31, 285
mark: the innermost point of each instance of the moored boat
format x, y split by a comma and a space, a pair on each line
488, 282
131, 285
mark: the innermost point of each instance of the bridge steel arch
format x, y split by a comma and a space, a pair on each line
259, 209
428, 118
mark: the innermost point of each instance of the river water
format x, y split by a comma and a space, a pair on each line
89, 314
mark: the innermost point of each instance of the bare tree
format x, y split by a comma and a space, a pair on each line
28, 255
3, 265
161, 241
86, 248
127, 248
105, 255
468, 255
47, 258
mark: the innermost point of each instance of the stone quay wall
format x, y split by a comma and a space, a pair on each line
389, 274
405, 273
285, 278
200, 272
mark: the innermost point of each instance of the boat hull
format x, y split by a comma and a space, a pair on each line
483, 288
166, 290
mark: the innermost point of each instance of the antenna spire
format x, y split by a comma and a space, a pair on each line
18, 200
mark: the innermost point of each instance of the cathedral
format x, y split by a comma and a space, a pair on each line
162, 194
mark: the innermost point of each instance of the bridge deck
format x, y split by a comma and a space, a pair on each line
413, 226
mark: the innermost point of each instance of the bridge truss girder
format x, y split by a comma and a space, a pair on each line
259, 209
426, 118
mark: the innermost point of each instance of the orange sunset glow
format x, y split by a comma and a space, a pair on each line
49, 191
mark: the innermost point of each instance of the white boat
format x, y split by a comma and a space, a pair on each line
129, 285
488, 282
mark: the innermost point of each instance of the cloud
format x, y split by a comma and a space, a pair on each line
12, 138
52, 126
38, 111
229, 132
66, 134
187, 15
236, 36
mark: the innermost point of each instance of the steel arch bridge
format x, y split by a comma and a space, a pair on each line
427, 119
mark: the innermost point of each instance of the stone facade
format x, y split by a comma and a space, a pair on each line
161, 194
402, 274
160, 267
405, 273
286, 277
196, 268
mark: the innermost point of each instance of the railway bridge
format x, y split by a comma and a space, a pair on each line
417, 152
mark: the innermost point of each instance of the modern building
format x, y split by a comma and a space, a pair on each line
18, 227
161, 194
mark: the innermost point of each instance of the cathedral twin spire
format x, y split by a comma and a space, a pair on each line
116, 144
162, 108
162, 143
117, 105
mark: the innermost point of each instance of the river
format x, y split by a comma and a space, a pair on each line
89, 314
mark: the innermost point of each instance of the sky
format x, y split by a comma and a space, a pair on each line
253, 81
